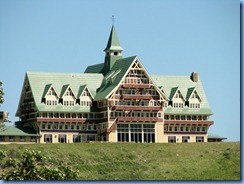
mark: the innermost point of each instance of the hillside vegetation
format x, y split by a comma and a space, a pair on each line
135, 161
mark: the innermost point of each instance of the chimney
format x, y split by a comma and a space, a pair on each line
194, 76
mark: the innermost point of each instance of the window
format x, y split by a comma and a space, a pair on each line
200, 139
49, 126
67, 115
166, 116
175, 128
55, 126
89, 127
43, 126
48, 138
172, 139
61, 126
33, 139
11, 138
172, 117
62, 138
66, 126
76, 138
185, 139
22, 138
2, 138
183, 117
91, 137
181, 128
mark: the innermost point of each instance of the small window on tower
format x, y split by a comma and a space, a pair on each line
115, 53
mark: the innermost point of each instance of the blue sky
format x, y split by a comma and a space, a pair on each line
170, 37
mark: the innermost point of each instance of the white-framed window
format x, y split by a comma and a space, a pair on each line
199, 139
171, 139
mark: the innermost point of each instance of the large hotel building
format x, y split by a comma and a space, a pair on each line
115, 101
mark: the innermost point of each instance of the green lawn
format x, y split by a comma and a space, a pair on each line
135, 161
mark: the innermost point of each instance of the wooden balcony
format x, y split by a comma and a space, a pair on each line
142, 108
128, 85
140, 119
191, 122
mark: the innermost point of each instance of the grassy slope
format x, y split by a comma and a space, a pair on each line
132, 161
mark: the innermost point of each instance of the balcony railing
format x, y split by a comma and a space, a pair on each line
140, 119
128, 85
128, 108
168, 122
76, 120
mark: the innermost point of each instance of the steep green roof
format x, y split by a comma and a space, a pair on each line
95, 68
17, 131
189, 92
172, 92
47, 88
64, 88
186, 86
113, 41
114, 76
38, 84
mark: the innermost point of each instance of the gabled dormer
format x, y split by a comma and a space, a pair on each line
50, 96
67, 96
193, 98
84, 97
177, 99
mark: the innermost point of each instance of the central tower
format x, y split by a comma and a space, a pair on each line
113, 51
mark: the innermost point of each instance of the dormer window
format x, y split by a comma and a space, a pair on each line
50, 97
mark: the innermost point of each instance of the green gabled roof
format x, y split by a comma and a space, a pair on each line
47, 88
184, 83
189, 92
17, 131
39, 80
113, 41
81, 89
64, 89
172, 93
109, 83
95, 68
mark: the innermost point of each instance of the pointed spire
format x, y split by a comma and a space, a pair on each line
113, 42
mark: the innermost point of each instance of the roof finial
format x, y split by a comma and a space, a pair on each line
113, 19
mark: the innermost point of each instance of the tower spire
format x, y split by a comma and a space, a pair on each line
113, 42
113, 50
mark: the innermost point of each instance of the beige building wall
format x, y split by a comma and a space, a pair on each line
159, 129
112, 137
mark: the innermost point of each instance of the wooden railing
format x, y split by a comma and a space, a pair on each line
130, 107
168, 122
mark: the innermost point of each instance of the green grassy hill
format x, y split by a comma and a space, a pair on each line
133, 161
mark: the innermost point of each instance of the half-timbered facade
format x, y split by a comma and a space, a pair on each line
116, 101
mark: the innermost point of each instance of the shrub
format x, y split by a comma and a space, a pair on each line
32, 166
